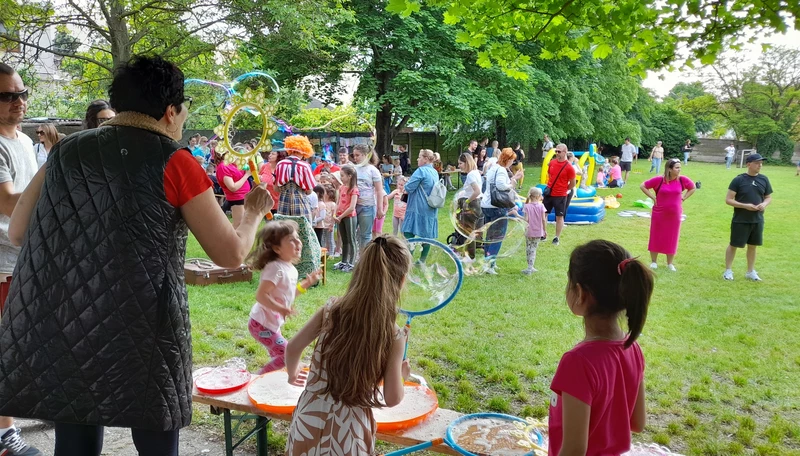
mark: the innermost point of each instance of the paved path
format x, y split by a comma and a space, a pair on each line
117, 441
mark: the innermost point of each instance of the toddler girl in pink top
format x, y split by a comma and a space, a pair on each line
597, 395
536, 216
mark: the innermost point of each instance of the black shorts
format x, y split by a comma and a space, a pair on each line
746, 234
236, 203
559, 203
625, 166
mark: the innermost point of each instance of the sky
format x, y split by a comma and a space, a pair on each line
661, 82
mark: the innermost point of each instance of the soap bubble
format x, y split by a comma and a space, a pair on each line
434, 279
208, 99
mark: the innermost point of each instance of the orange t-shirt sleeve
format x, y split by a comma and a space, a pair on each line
184, 178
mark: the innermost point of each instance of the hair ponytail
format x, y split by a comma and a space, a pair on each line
635, 289
615, 280
360, 330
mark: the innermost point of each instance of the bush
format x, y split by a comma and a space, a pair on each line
780, 142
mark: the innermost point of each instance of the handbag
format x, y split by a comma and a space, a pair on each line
502, 199
546, 191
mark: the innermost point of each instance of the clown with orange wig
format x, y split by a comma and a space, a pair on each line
294, 179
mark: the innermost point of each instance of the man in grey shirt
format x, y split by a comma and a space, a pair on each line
17, 168
548, 144
628, 151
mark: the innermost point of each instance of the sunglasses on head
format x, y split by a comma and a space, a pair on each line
10, 97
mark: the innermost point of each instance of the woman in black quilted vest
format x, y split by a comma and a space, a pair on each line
96, 329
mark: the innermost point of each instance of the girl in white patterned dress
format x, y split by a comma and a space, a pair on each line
359, 345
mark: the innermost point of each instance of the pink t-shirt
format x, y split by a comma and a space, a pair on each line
345, 197
534, 213
234, 173
284, 276
606, 376
616, 172
399, 210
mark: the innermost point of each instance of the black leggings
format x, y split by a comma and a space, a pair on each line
84, 440
347, 232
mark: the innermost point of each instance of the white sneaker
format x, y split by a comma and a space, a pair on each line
491, 271
529, 271
752, 275
653, 265
727, 275
671, 267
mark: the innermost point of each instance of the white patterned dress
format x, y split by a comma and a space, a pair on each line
322, 426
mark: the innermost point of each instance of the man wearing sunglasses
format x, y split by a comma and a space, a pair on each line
17, 168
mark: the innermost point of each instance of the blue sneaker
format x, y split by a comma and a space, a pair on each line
12, 444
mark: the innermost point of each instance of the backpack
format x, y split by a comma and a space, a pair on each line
438, 195
662, 183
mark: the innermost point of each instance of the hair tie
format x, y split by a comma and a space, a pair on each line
624, 263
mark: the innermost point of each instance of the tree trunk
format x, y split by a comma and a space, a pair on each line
121, 48
384, 130
500, 132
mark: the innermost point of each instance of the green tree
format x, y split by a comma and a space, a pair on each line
675, 128
761, 99
693, 99
410, 70
651, 31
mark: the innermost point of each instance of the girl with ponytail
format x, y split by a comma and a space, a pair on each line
597, 395
359, 346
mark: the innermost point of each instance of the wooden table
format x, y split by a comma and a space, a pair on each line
432, 428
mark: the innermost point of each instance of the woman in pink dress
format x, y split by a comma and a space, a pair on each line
669, 192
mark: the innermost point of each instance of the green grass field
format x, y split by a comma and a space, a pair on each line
723, 364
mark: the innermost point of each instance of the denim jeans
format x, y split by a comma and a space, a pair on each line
366, 217
497, 231
656, 166
685, 158
728, 161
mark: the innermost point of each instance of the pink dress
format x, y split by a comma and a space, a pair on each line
665, 224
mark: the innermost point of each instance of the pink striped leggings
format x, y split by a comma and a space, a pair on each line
275, 343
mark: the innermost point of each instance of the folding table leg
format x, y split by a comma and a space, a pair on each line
261, 438
228, 433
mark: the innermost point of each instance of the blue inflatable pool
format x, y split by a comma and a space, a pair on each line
583, 210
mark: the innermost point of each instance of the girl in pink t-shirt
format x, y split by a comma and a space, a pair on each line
346, 218
615, 178
235, 186
278, 249
536, 216
399, 210
597, 395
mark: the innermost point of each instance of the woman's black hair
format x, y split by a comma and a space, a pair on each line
615, 280
94, 108
147, 85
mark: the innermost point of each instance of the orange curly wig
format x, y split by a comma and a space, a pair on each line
298, 143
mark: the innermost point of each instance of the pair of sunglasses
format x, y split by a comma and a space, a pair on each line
10, 97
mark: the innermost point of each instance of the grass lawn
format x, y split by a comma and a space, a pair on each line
723, 364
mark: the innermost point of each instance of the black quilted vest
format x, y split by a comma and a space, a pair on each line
96, 327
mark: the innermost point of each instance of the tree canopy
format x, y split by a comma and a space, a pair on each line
655, 34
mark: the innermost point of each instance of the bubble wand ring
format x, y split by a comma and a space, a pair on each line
459, 271
253, 101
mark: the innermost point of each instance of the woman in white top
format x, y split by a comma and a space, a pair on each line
48, 137
469, 213
497, 176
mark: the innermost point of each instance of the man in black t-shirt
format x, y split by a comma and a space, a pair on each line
749, 193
